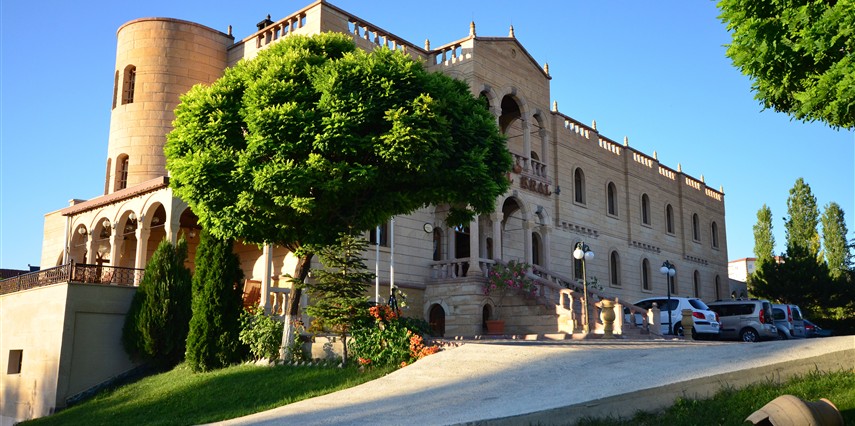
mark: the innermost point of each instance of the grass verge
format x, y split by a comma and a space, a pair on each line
180, 397
731, 406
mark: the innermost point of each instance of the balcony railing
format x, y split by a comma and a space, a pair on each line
73, 272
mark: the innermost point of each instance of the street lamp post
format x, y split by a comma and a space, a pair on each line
668, 270
583, 253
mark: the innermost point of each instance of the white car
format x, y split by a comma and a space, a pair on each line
706, 321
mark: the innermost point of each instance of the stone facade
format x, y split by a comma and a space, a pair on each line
570, 184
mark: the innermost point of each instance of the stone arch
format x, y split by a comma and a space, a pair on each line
154, 222
125, 228
78, 244
492, 99
100, 243
514, 226
436, 320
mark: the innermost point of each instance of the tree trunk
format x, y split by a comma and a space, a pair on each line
301, 272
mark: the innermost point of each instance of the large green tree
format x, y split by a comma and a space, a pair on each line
338, 289
834, 246
157, 322
314, 137
800, 55
212, 341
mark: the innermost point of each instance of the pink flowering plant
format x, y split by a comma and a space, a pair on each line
509, 278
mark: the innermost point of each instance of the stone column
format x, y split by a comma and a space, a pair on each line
544, 151
91, 249
526, 128
267, 254
527, 227
545, 251
116, 240
497, 235
142, 246
474, 249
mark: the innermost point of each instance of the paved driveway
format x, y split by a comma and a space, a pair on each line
513, 382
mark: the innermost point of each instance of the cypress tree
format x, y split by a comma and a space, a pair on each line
834, 245
156, 325
213, 338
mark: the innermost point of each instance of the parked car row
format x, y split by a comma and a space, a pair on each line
747, 320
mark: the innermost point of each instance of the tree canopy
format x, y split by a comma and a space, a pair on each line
314, 137
799, 54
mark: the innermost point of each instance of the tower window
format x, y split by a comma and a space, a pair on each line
122, 172
128, 83
669, 219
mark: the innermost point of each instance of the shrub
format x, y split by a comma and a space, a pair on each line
262, 333
213, 338
386, 339
158, 320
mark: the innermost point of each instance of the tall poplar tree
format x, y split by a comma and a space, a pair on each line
764, 251
836, 250
801, 225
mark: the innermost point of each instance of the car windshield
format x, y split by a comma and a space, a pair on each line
778, 314
699, 304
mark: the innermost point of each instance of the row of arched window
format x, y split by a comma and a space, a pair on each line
646, 217
646, 278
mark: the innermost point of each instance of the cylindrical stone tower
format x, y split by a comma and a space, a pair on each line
157, 60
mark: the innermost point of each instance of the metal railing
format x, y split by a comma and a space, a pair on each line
73, 272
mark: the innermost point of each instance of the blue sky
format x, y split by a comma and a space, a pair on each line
652, 71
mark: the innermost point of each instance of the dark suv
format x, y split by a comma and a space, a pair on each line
749, 320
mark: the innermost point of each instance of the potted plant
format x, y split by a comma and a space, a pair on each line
502, 280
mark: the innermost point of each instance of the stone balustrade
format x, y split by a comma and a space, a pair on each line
459, 268
610, 146
280, 29
277, 300
667, 173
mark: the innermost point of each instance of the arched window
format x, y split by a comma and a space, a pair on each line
714, 234
437, 244
121, 172
717, 288
645, 275
645, 209
611, 196
107, 178
536, 246
696, 227
614, 269
697, 284
128, 83
672, 281
384, 235
669, 219
115, 88
579, 186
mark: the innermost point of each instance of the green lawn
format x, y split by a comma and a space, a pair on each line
179, 397
731, 407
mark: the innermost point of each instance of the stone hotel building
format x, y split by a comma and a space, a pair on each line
569, 184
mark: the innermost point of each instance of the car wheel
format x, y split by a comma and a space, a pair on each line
678, 329
782, 335
748, 335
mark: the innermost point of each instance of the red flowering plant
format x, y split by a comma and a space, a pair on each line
385, 337
509, 278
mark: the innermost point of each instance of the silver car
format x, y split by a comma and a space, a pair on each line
749, 320
789, 320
